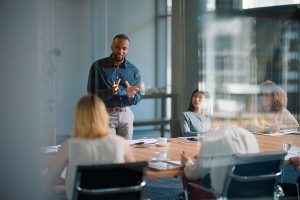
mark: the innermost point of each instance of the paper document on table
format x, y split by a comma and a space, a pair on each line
163, 165
176, 162
282, 131
51, 149
292, 152
278, 133
290, 131
142, 141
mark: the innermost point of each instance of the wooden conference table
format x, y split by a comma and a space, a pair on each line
177, 145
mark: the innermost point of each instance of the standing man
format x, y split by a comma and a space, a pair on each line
117, 82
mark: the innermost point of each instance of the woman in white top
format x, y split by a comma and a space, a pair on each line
197, 118
216, 152
90, 143
273, 114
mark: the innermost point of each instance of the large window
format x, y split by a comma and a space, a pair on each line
241, 48
163, 50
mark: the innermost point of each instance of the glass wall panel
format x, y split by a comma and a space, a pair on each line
241, 49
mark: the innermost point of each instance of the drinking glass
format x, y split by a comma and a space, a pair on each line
286, 146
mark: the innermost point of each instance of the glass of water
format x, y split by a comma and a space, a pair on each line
286, 146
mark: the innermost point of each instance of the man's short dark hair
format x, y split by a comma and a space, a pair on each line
121, 36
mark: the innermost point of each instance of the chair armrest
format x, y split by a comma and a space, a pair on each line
255, 178
196, 191
111, 190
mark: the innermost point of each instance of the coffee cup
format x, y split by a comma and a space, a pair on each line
162, 141
160, 155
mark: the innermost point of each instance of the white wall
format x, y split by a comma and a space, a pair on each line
73, 38
20, 101
135, 18
46, 50
82, 31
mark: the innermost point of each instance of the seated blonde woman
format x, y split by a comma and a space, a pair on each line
273, 114
91, 143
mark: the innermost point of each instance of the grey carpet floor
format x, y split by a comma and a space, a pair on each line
163, 189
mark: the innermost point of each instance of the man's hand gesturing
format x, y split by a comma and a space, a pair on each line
115, 86
131, 90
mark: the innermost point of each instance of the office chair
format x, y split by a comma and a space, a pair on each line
175, 128
110, 182
252, 176
291, 190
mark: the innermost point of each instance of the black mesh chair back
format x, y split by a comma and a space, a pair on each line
254, 176
110, 182
175, 128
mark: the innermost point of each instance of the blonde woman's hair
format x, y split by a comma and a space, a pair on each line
90, 118
279, 95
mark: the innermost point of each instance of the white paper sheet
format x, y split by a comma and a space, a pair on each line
294, 151
144, 141
279, 133
51, 149
162, 165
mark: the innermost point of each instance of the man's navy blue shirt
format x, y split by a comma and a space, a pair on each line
101, 76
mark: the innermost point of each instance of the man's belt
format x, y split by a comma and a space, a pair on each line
116, 109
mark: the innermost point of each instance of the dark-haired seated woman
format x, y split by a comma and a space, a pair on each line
197, 119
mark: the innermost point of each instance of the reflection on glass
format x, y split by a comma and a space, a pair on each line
273, 114
240, 51
259, 3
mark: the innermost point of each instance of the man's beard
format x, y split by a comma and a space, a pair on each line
118, 58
